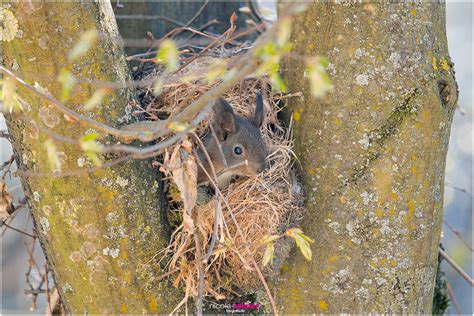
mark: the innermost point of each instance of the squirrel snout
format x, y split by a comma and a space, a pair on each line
261, 167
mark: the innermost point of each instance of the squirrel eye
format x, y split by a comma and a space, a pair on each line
237, 150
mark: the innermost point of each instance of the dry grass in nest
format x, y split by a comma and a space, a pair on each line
265, 205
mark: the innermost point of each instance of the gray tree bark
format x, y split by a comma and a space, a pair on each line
372, 155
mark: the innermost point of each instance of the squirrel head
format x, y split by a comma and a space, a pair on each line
240, 141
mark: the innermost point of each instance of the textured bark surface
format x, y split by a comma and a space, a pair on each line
373, 155
100, 231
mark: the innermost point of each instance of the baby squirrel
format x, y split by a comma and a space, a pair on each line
241, 142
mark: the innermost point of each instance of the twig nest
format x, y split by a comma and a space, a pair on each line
265, 205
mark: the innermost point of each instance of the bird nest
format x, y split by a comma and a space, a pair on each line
224, 232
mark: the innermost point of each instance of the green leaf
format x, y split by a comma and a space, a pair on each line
302, 241
10, 99
304, 246
53, 157
178, 126
277, 82
268, 254
67, 81
306, 238
267, 239
86, 41
91, 147
318, 77
96, 99
169, 54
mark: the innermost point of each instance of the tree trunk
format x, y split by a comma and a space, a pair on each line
100, 231
372, 155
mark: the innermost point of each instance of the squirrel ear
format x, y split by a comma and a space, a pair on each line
225, 118
258, 117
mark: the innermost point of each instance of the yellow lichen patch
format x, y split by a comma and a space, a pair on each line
379, 212
434, 63
413, 12
9, 25
393, 196
391, 210
123, 308
383, 261
360, 213
444, 64
296, 116
394, 263
411, 211
323, 305
332, 259
153, 305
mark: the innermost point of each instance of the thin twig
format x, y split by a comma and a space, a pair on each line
147, 17
456, 267
18, 230
458, 234
200, 272
217, 209
453, 297
88, 121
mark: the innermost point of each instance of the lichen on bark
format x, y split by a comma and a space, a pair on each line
373, 157
100, 231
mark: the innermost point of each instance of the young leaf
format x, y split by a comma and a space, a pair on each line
318, 77
67, 81
177, 126
86, 41
277, 82
267, 239
169, 54
91, 147
96, 98
268, 255
53, 157
304, 246
9, 96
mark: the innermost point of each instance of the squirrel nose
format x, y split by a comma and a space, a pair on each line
261, 167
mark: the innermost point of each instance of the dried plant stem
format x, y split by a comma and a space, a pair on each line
217, 210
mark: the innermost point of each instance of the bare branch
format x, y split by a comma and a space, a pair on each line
456, 267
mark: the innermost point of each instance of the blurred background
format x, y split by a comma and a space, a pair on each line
17, 249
